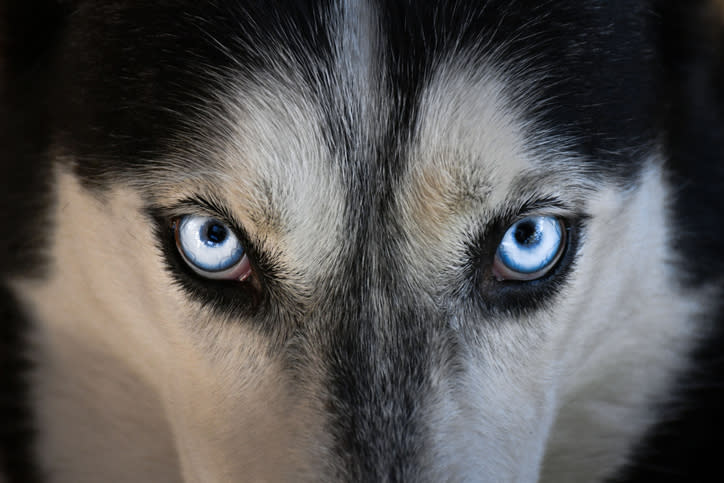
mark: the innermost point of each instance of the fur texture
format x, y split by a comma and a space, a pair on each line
369, 156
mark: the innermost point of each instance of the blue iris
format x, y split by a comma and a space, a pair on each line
531, 245
208, 244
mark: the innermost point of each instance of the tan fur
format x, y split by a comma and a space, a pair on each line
135, 381
128, 385
274, 168
565, 392
579, 376
470, 158
129, 367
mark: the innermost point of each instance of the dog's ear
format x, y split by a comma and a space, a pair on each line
28, 30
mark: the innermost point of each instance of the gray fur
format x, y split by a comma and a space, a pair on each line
375, 355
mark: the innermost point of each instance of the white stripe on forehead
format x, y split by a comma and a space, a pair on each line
359, 62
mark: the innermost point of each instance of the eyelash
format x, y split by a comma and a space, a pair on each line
515, 297
249, 295
221, 295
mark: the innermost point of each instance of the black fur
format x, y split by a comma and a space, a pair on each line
119, 84
685, 445
24, 198
16, 431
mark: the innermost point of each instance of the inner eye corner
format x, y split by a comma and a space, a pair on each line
174, 225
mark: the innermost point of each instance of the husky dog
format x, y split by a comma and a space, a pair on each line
361, 241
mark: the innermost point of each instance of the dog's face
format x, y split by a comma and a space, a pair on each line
355, 241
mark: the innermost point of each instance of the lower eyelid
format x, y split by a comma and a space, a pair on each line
501, 273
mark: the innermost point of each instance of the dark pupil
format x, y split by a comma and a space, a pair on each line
216, 233
527, 234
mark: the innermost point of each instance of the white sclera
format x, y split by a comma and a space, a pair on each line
540, 250
202, 250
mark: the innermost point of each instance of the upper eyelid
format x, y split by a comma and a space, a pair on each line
202, 207
544, 206
263, 261
547, 211
552, 206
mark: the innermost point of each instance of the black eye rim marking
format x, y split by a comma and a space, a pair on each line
225, 296
519, 297
492, 295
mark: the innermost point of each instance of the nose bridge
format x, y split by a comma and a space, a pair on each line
377, 336
378, 360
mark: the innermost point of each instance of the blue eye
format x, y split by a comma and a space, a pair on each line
210, 248
530, 248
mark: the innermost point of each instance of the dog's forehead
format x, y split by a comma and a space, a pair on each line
303, 193
301, 157
330, 124
366, 66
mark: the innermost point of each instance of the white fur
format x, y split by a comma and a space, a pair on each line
129, 386
569, 390
135, 382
